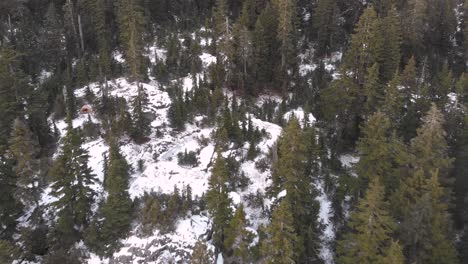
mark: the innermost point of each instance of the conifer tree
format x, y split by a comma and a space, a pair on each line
414, 20
201, 254
10, 208
131, 24
408, 79
286, 10
465, 29
282, 244
243, 48
462, 88
290, 174
391, 31
218, 201
101, 27
265, 48
430, 148
117, 209
393, 104
141, 124
372, 92
238, 238
380, 153
326, 24
13, 91
341, 105
24, 149
72, 180
366, 46
443, 86
460, 171
394, 254
370, 230
53, 46
220, 18
425, 229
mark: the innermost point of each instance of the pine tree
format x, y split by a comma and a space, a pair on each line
393, 104
265, 48
131, 24
340, 105
443, 86
372, 91
220, 18
326, 24
408, 79
370, 229
430, 148
72, 180
380, 153
101, 27
394, 254
425, 229
282, 244
286, 10
53, 46
462, 88
141, 124
201, 254
24, 149
13, 91
289, 173
10, 208
391, 31
465, 29
366, 46
242, 39
414, 20
238, 238
460, 171
218, 201
117, 209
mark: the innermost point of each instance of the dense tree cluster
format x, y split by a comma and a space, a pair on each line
386, 80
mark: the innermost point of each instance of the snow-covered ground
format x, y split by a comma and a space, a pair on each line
161, 171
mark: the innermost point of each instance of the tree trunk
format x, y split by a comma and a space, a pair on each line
80, 28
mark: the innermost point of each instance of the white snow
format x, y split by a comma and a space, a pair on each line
348, 160
282, 194
300, 115
328, 235
207, 59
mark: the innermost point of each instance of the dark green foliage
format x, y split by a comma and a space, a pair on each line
201, 254
326, 24
141, 123
71, 179
238, 238
131, 25
10, 208
8, 251
265, 50
370, 229
160, 211
290, 173
13, 89
24, 150
382, 154
178, 111
218, 201
117, 209
187, 158
282, 244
